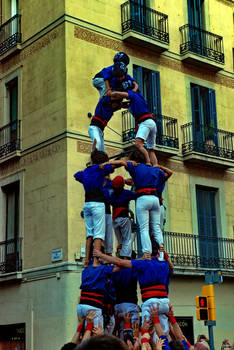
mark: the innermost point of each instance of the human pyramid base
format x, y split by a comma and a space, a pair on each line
108, 302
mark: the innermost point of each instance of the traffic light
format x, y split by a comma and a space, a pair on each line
202, 308
208, 291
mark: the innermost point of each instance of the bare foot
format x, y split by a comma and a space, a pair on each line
96, 262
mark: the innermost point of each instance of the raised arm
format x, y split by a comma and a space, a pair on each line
135, 87
168, 172
112, 259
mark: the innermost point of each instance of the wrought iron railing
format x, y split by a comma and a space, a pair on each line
10, 255
188, 250
201, 42
10, 138
167, 129
144, 20
207, 140
10, 34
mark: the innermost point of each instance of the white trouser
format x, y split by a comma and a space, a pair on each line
147, 131
110, 326
163, 308
94, 215
109, 234
96, 133
82, 310
100, 85
122, 227
148, 217
129, 308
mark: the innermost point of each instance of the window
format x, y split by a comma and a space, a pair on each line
149, 85
207, 226
204, 115
9, 245
196, 13
10, 133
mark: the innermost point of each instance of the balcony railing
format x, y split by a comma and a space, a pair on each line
167, 130
187, 250
10, 256
201, 42
10, 34
207, 140
144, 20
9, 138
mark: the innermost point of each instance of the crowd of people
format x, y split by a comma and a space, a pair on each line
108, 311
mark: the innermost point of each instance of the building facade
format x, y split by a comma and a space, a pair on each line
181, 55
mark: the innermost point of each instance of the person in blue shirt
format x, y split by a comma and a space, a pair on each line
119, 198
106, 80
125, 283
145, 178
93, 291
108, 242
145, 124
154, 278
104, 111
92, 179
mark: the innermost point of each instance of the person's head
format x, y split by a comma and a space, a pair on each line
137, 156
118, 183
102, 342
119, 71
69, 346
99, 157
176, 345
121, 57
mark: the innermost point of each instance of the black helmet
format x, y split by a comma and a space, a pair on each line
119, 69
121, 57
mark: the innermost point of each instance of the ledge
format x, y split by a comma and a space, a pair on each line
12, 277
201, 61
201, 158
10, 156
195, 271
145, 41
12, 51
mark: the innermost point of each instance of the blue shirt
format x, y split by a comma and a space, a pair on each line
166, 345
93, 177
119, 198
96, 277
106, 73
161, 181
125, 282
151, 271
104, 108
138, 105
144, 176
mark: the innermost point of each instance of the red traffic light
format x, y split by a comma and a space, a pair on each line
202, 302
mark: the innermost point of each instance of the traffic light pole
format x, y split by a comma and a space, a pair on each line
210, 325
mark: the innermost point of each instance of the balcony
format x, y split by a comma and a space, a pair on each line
201, 48
10, 37
203, 144
10, 141
199, 252
144, 26
10, 256
167, 142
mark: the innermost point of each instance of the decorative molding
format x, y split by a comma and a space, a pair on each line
31, 50
147, 55
85, 147
18, 165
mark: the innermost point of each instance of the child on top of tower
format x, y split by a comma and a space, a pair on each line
92, 179
112, 76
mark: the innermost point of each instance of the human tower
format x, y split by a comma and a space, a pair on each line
109, 283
